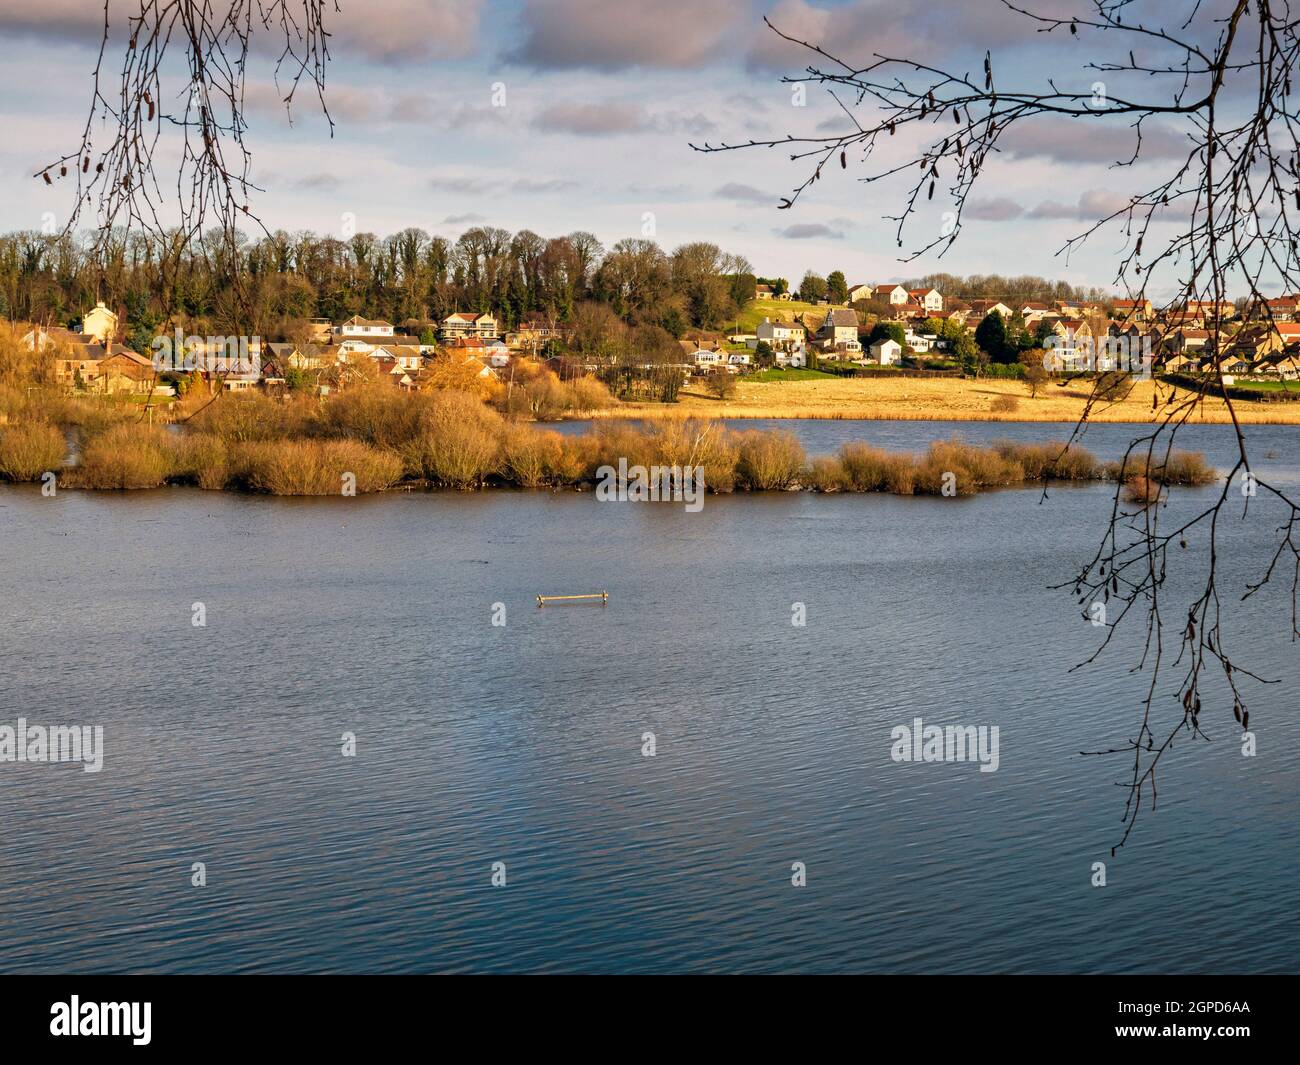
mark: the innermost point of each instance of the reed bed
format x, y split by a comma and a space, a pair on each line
451, 439
29, 451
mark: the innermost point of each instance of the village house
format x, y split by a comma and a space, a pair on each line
100, 323
1180, 362
1133, 310
887, 352
359, 327
39, 338
461, 324
403, 356
704, 359
1283, 364
983, 308
858, 293
780, 336
893, 294
393, 372
839, 331
123, 370
929, 299
1209, 310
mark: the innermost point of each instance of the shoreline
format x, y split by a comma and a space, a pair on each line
944, 400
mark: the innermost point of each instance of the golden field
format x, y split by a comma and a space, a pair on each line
952, 399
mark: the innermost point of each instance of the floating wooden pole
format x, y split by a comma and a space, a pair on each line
542, 600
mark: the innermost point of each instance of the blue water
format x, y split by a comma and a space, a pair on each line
522, 744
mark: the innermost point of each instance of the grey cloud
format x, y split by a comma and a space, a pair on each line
318, 183
469, 186
1093, 205
617, 34
744, 194
379, 30
462, 219
1000, 209
1093, 140
536, 185
591, 120
808, 231
918, 29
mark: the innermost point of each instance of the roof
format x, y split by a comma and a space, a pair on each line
356, 319
842, 317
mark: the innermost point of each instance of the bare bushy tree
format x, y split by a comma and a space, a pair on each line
168, 99
1226, 215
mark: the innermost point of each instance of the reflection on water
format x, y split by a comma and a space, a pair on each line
522, 744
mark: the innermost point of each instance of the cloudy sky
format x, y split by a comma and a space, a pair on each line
601, 101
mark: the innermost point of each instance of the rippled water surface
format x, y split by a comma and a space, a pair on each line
522, 744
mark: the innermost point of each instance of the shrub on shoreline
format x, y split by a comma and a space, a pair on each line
312, 467
451, 439
129, 455
458, 443
28, 451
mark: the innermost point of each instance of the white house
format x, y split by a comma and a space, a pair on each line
794, 358
779, 335
356, 326
860, 292
887, 351
461, 324
919, 342
738, 358
890, 294
705, 359
928, 298
100, 323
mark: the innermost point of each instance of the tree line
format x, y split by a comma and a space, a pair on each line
264, 286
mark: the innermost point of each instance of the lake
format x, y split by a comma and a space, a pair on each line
523, 743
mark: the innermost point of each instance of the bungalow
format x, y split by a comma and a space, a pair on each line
887, 351
366, 345
920, 342
1181, 363
763, 292
705, 359
462, 324
1282, 364
356, 326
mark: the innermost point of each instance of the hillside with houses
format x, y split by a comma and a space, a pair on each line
877, 327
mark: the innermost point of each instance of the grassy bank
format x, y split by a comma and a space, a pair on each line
368, 440
814, 395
